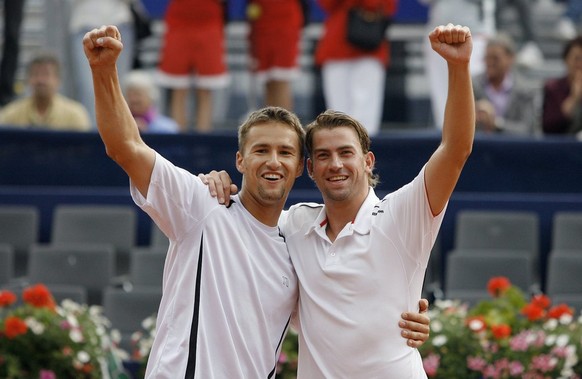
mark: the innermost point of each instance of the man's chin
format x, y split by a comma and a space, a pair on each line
273, 195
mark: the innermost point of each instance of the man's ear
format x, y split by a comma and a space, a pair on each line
310, 168
370, 162
239, 162
301, 168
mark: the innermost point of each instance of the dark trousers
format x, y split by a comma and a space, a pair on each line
13, 14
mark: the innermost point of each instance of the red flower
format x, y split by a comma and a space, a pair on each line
560, 310
39, 296
14, 326
541, 301
501, 331
7, 298
498, 285
533, 312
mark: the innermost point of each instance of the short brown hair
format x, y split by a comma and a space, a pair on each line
331, 119
272, 114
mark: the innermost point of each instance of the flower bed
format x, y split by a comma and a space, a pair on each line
39, 339
504, 337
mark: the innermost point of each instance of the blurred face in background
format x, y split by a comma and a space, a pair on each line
574, 61
44, 80
139, 100
498, 63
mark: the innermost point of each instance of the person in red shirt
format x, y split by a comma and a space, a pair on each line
193, 54
562, 96
275, 32
353, 79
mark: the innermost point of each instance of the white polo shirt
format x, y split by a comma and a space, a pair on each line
353, 291
228, 288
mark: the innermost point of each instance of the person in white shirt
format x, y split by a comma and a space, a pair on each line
359, 259
229, 287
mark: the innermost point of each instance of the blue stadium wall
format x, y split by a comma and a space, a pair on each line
49, 168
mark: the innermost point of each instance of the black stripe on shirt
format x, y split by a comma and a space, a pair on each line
191, 367
272, 373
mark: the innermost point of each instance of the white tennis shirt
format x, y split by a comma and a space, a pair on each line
353, 291
228, 288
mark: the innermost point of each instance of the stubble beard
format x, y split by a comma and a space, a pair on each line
273, 195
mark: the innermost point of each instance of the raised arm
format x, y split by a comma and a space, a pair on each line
443, 169
115, 123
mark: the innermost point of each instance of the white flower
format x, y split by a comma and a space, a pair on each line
566, 319
83, 356
34, 325
439, 340
476, 324
444, 304
551, 324
149, 323
436, 326
75, 335
562, 340
551, 339
115, 336
72, 320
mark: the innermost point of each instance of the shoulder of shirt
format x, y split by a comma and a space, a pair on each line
306, 207
304, 211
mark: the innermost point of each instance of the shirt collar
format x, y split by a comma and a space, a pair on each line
361, 224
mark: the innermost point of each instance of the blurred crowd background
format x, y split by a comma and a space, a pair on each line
530, 45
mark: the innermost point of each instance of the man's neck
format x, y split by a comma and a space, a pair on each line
267, 214
42, 104
341, 213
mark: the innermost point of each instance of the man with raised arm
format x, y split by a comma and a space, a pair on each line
361, 260
229, 287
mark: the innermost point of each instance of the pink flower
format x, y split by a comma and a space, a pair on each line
283, 358
491, 372
47, 374
431, 364
476, 363
543, 363
516, 368
502, 364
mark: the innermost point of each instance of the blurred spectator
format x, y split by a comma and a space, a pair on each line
193, 55
479, 16
275, 31
567, 27
45, 107
89, 14
505, 101
353, 79
562, 104
12, 17
142, 96
530, 55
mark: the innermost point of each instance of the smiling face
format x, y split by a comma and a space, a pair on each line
339, 167
270, 161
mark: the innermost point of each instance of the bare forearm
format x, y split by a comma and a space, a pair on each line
459, 122
114, 120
